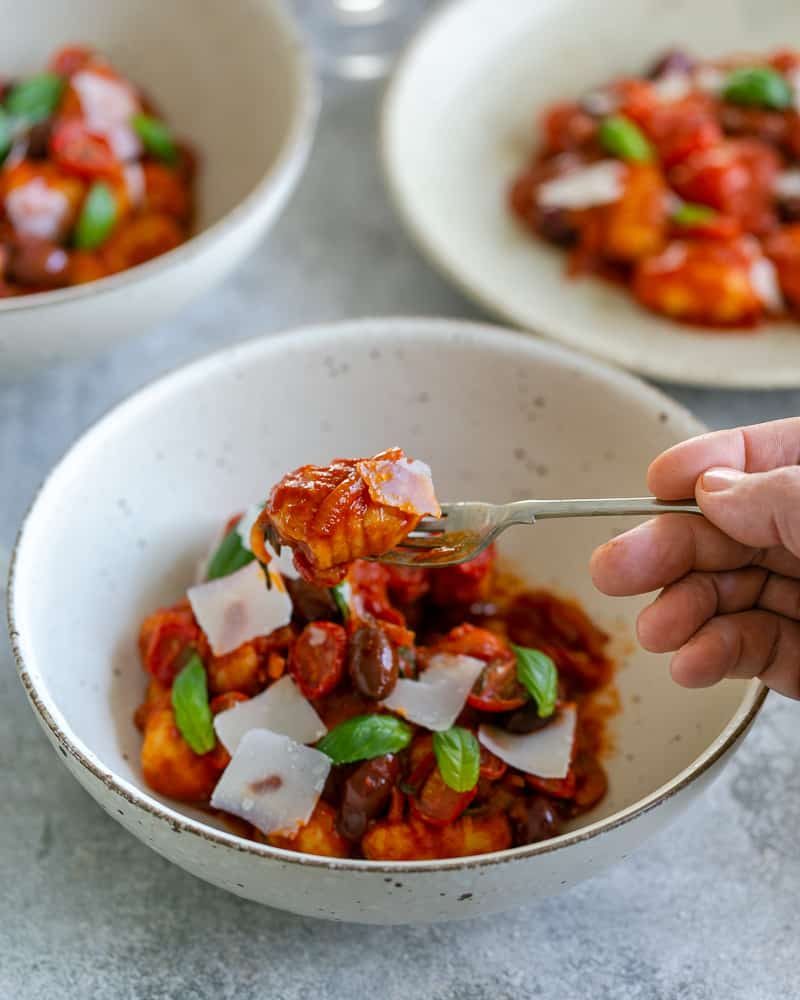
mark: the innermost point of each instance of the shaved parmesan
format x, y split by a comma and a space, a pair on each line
281, 709
600, 103
245, 525
36, 209
670, 259
133, 176
108, 105
124, 142
598, 184
404, 483
104, 101
547, 752
710, 80
237, 608
436, 699
787, 184
272, 782
764, 279
672, 87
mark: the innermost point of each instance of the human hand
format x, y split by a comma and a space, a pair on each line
730, 604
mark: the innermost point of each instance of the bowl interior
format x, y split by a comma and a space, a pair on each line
221, 73
120, 524
480, 74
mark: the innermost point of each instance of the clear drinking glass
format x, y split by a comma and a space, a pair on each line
359, 39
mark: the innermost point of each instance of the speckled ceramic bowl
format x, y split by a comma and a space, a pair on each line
233, 79
120, 523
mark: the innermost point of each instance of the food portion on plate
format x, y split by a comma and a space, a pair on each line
92, 180
683, 185
397, 714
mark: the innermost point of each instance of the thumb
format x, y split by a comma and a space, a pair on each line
760, 509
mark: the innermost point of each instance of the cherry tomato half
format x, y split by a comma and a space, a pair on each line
473, 641
558, 788
491, 768
76, 148
463, 584
497, 689
173, 633
70, 59
317, 659
437, 803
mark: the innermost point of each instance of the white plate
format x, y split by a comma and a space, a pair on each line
458, 123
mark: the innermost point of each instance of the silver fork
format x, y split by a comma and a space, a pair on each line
465, 529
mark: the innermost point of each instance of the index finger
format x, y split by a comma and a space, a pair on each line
758, 448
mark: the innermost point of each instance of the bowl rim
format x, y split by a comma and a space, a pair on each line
438, 254
310, 337
278, 177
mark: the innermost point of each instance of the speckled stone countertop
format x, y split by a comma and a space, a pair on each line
706, 911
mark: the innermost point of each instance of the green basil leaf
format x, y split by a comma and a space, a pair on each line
341, 595
156, 137
190, 704
6, 135
229, 557
620, 137
98, 217
36, 98
538, 675
459, 758
758, 86
690, 214
365, 737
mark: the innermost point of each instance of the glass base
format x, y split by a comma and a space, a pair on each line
359, 39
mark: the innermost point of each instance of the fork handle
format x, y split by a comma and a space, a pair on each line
528, 511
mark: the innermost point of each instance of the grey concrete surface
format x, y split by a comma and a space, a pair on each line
707, 911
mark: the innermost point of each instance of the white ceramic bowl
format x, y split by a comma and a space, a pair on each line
458, 123
120, 523
234, 80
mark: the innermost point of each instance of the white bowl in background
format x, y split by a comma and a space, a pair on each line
235, 81
458, 125
120, 523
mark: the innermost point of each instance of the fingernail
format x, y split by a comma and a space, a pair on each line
716, 480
